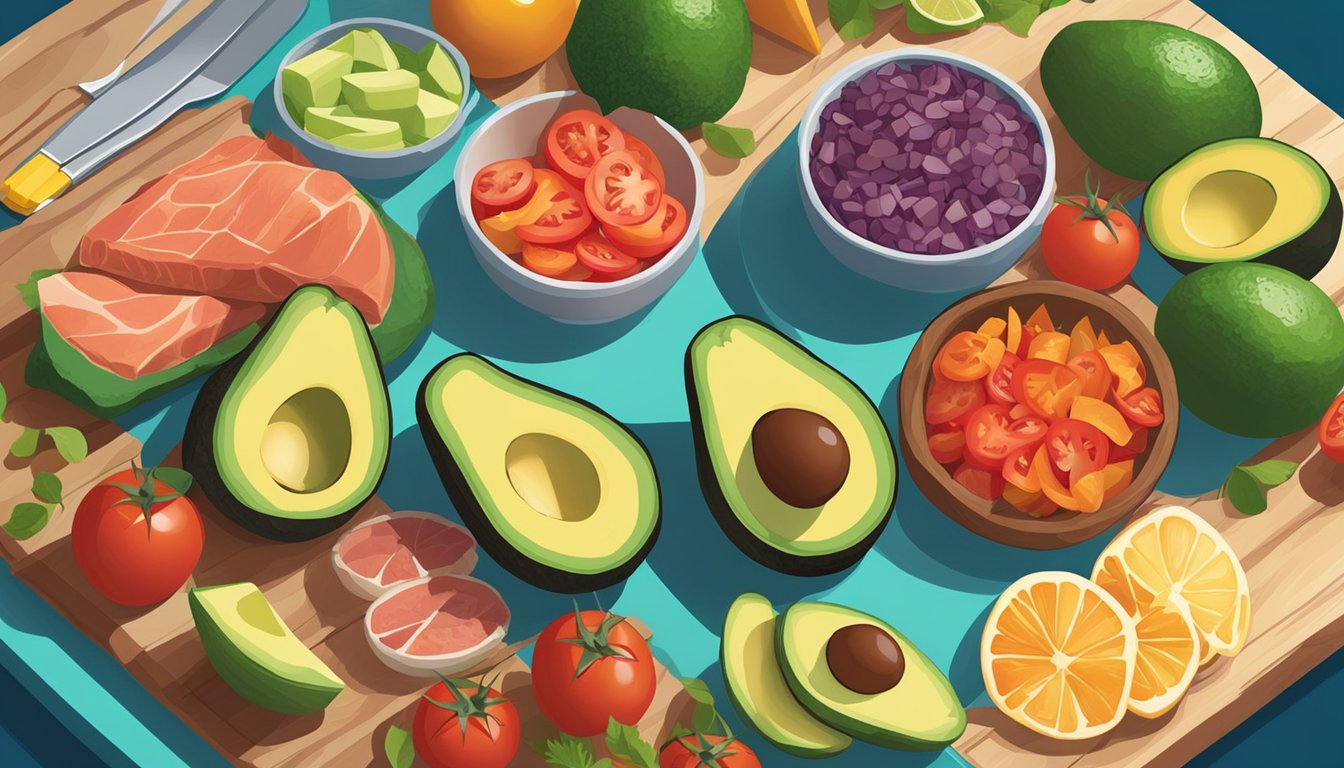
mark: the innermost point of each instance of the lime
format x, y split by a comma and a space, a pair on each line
925, 16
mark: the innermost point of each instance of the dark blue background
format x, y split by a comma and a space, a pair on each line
1306, 44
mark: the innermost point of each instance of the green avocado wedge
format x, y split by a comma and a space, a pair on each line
256, 654
920, 713
757, 687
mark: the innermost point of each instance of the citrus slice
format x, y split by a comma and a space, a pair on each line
1058, 655
943, 15
1173, 557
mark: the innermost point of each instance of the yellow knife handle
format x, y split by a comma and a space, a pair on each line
33, 184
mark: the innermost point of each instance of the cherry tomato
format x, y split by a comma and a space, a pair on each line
579, 684
563, 214
602, 257
999, 384
551, 261
982, 482
1135, 447
459, 724
621, 191
950, 400
1046, 387
991, 434
1076, 448
646, 156
136, 539
1332, 431
1095, 374
504, 183
1017, 469
968, 356
1090, 242
1142, 406
654, 237
575, 141
946, 446
705, 751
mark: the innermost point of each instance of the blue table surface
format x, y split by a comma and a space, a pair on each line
949, 573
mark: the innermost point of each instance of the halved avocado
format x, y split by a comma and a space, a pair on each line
920, 712
739, 371
1248, 199
757, 686
290, 438
555, 489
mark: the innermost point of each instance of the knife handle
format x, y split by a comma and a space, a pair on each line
36, 183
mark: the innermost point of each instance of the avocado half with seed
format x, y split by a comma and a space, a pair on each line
555, 490
290, 438
769, 420
1246, 199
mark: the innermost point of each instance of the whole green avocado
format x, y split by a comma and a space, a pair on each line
1139, 95
1257, 350
683, 60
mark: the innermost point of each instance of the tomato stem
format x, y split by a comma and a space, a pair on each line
1092, 208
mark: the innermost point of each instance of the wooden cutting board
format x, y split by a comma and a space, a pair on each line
1297, 581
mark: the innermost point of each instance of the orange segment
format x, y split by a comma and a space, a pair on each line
1058, 655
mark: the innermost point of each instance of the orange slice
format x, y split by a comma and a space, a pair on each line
1058, 655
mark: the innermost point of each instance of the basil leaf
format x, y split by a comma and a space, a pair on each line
1272, 473
28, 288
25, 444
174, 477
626, 744
47, 487
4, 402
1247, 495
27, 520
705, 717
729, 141
851, 18
70, 443
571, 752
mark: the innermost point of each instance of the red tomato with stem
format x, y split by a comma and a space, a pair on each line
503, 184
1090, 242
462, 724
589, 667
950, 400
575, 141
707, 751
1075, 449
621, 192
136, 537
1332, 431
991, 434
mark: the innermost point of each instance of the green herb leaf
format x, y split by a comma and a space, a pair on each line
626, 744
27, 520
174, 477
882, 5
25, 444
399, 748
705, 717
47, 487
729, 141
70, 443
851, 18
1272, 473
1017, 15
4, 402
571, 752
1245, 493
28, 288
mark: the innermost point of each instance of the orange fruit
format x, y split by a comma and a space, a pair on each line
1058, 655
502, 38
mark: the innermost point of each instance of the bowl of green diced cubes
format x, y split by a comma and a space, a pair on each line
373, 98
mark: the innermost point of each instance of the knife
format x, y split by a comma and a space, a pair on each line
202, 60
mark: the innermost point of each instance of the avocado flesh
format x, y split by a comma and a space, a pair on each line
290, 438
256, 654
737, 370
1245, 200
553, 488
757, 686
920, 713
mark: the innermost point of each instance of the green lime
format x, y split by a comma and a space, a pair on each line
932, 16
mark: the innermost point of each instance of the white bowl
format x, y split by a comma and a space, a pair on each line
513, 132
927, 273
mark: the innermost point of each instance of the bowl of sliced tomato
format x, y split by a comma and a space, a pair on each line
581, 216
1038, 414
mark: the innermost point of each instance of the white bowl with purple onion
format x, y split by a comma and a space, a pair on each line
926, 170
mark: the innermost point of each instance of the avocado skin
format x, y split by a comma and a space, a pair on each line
464, 501
683, 60
198, 456
740, 535
1138, 95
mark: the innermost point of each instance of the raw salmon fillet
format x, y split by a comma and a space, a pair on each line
133, 333
248, 220
398, 547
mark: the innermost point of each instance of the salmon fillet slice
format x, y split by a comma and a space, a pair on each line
249, 220
133, 333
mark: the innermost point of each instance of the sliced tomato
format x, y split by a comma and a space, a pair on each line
621, 191
577, 274
968, 356
602, 257
504, 184
1014, 340
1047, 387
993, 327
1082, 338
654, 237
1331, 433
1019, 410
946, 446
1116, 477
646, 155
1049, 345
1137, 444
575, 141
1018, 471
1076, 449
1096, 376
1037, 322
981, 482
1090, 490
1034, 504
1142, 406
1126, 365
564, 216
551, 261
1051, 487
1104, 417
999, 384
950, 400
991, 434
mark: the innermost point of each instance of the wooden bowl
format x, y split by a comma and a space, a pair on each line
998, 520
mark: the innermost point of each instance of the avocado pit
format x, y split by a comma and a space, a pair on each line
306, 444
800, 455
865, 658
553, 476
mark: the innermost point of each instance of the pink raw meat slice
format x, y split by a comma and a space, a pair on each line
132, 333
436, 625
401, 546
249, 220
